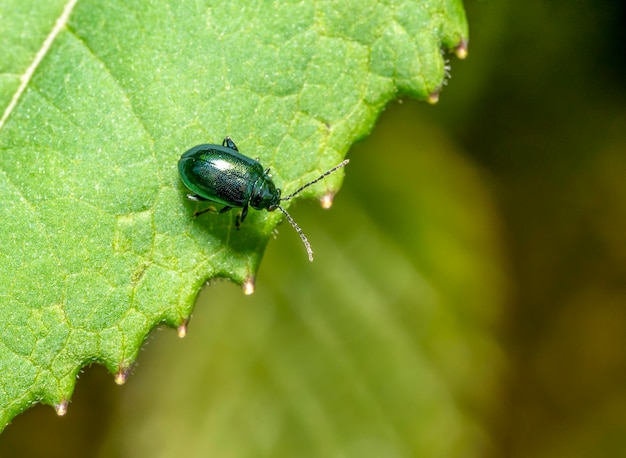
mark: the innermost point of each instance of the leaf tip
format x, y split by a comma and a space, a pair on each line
248, 285
122, 375
433, 98
61, 408
181, 330
461, 49
327, 200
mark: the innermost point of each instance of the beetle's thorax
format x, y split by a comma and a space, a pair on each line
265, 195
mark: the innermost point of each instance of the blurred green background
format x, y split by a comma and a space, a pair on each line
468, 294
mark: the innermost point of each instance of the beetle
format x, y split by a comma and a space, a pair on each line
223, 175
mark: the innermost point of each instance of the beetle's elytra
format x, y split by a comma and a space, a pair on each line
221, 174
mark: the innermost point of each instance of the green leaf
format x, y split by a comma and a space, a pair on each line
98, 243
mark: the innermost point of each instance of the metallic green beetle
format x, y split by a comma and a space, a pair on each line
223, 175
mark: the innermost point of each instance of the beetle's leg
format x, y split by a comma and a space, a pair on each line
196, 198
241, 216
229, 143
212, 210
206, 210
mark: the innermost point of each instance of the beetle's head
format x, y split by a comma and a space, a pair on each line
265, 195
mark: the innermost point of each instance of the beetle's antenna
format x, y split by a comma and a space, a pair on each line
307, 245
344, 163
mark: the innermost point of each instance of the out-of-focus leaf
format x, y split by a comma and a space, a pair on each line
383, 348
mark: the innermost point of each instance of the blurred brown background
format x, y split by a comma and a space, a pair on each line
521, 167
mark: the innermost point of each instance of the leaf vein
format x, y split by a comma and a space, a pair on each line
45, 47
